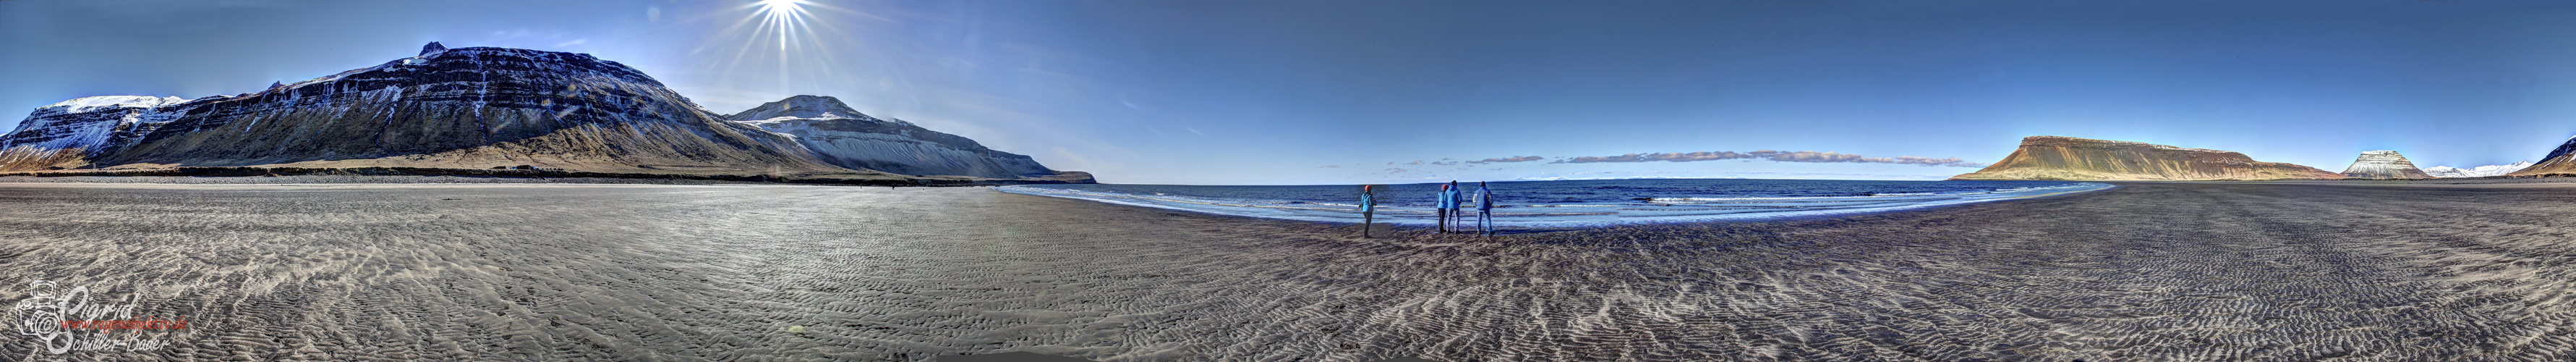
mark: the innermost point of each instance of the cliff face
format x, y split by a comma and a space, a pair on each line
2559, 161
844, 137
2080, 159
2383, 165
450, 108
64, 134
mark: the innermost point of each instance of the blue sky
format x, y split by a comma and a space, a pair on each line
1196, 92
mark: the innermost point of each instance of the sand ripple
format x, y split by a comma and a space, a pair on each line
581, 272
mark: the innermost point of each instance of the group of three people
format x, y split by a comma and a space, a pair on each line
1449, 208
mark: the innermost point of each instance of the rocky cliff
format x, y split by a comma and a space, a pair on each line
2559, 162
2080, 159
492, 111
472, 108
844, 137
2383, 165
62, 135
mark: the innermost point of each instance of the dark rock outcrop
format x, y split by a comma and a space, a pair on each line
2080, 159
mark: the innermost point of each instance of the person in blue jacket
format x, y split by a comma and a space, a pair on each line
1457, 206
1448, 202
1484, 209
1368, 209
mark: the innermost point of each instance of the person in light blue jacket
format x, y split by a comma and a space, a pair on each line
1368, 209
1448, 206
1484, 209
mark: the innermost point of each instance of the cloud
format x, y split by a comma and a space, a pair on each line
1330, 166
1509, 159
1396, 170
1779, 156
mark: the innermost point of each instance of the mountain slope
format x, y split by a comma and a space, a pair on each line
2383, 165
2081, 159
450, 108
844, 137
2560, 161
2480, 171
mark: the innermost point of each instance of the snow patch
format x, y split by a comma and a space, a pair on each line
88, 104
2480, 171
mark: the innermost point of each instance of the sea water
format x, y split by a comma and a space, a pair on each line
1570, 203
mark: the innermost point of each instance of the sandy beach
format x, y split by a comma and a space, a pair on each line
2146, 271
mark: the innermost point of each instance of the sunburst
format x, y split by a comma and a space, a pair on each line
782, 16
802, 38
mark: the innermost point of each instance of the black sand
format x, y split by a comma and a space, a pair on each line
2148, 271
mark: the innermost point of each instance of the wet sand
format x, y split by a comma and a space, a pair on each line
2148, 271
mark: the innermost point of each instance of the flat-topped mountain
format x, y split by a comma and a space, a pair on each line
475, 108
2383, 165
2082, 159
844, 137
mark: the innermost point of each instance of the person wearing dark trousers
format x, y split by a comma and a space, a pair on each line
1484, 209
1368, 209
1457, 204
1448, 201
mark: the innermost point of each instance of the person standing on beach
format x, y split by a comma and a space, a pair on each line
1457, 202
1368, 208
1448, 201
1484, 209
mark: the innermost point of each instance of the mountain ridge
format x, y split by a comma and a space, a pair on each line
447, 108
2383, 164
848, 138
2082, 159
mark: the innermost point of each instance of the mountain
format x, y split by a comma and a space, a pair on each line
2383, 165
451, 108
844, 137
2081, 159
63, 134
2480, 171
476, 108
2558, 162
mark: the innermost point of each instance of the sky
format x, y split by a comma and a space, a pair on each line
1342, 92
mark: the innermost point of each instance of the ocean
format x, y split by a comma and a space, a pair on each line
1575, 203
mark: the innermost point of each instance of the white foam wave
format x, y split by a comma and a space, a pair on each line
1673, 209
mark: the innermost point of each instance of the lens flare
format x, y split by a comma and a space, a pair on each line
784, 17
802, 38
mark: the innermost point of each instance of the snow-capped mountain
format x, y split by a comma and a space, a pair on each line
446, 108
2480, 171
844, 137
803, 106
2561, 160
484, 108
88, 123
2383, 165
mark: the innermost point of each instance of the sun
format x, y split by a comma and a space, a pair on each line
782, 16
